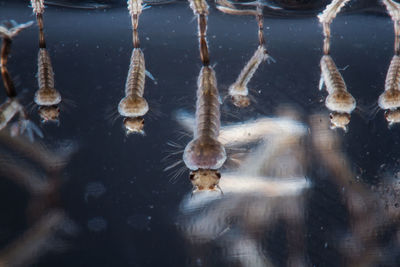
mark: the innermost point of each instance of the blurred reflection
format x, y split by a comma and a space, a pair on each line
134, 106
82, 5
390, 99
39, 172
11, 106
265, 191
305, 8
266, 187
339, 100
46, 97
360, 244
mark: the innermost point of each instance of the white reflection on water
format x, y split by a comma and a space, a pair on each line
267, 186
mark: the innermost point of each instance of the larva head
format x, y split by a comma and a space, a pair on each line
392, 116
205, 179
339, 120
390, 99
134, 125
240, 101
133, 106
340, 101
47, 97
49, 113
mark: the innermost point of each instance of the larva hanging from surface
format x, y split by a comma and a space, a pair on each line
339, 100
389, 100
204, 155
11, 107
326, 18
238, 91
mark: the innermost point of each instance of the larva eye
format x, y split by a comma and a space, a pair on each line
218, 175
191, 176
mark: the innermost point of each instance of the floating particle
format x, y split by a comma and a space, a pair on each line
97, 224
94, 190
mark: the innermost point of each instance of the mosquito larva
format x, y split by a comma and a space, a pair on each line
199, 7
12, 106
8, 31
390, 99
135, 8
45, 79
46, 97
393, 9
238, 90
339, 100
326, 18
37, 6
133, 106
204, 155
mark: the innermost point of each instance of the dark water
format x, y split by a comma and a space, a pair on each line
122, 203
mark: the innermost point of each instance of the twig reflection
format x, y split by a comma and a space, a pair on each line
40, 174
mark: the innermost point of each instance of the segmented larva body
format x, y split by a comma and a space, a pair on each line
205, 151
47, 95
136, 75
37, 6
199, 7
390, 99
339, 99
133, 104
331, 76
392, 81
207, 105
240, 85
45, 70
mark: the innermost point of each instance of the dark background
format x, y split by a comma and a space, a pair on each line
90, 51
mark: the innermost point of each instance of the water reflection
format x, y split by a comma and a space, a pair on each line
40, 173
290, 192
266, 187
